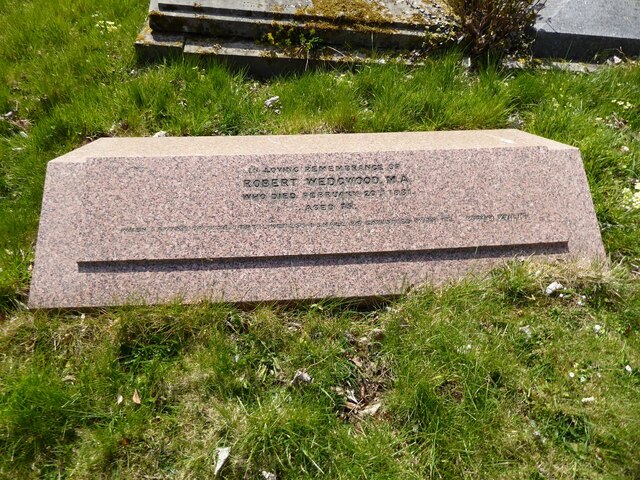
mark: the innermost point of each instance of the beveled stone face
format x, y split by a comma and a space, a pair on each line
302, 217
270, 205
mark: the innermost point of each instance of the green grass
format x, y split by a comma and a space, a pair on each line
465, 390
473, 378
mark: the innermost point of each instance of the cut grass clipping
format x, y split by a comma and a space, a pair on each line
485, 378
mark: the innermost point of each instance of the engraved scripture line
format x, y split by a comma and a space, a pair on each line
289, 261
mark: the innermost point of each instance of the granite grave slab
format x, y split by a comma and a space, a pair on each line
279, 218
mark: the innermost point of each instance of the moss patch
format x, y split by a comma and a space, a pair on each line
358, 11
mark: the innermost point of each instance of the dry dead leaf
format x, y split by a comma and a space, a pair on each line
371, 410
351, 396
351, 406
136, 397
223, 455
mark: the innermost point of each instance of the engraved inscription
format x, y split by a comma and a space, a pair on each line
270, 205
325, 187
443, 219
329, 188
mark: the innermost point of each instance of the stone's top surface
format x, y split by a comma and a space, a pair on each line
598, 18
252, 219
233, 6
301, 144
404, 11
227, 6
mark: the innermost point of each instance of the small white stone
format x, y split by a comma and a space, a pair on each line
628, 368
160, 134
554, 287
270, 102
538, 436
301, 377
526, 330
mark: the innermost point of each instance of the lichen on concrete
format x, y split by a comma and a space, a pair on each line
358, 11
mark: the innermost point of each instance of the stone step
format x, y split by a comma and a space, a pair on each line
259, 60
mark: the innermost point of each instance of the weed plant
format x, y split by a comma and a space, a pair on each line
495, 26
485, 378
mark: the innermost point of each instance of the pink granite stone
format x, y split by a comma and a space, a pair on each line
276, 218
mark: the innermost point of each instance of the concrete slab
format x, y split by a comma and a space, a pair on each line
358, 23
152, 46
272, 37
